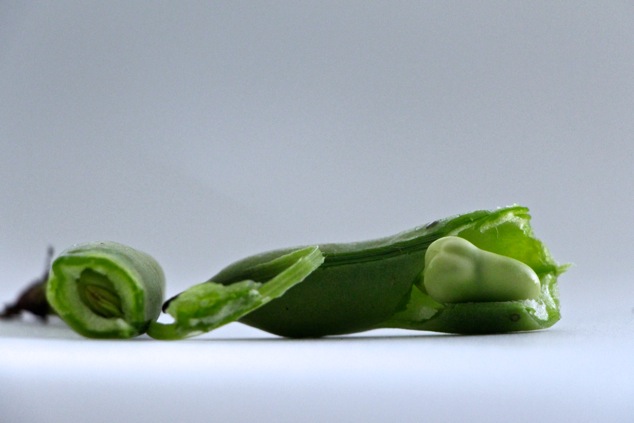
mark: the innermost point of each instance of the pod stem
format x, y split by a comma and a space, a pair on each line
33, 298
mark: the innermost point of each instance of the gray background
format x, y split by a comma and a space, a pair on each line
202, 132
205, 131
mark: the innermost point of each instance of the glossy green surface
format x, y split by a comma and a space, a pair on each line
379, 283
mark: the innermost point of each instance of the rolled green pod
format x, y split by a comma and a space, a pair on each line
380, 283
106, 289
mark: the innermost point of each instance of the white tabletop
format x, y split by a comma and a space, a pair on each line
580, 370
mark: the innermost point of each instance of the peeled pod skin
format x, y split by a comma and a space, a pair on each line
209, 305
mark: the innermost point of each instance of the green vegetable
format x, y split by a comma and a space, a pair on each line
209, 305
456, 271
381, 283
480, 272
106, 290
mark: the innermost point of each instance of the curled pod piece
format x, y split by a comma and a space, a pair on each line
106, 289
209, 305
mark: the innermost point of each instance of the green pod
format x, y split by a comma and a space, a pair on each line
378, 284
106, 289
341, 296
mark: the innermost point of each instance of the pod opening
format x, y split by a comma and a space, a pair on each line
97, 292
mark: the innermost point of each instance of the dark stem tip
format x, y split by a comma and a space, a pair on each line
33, 298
